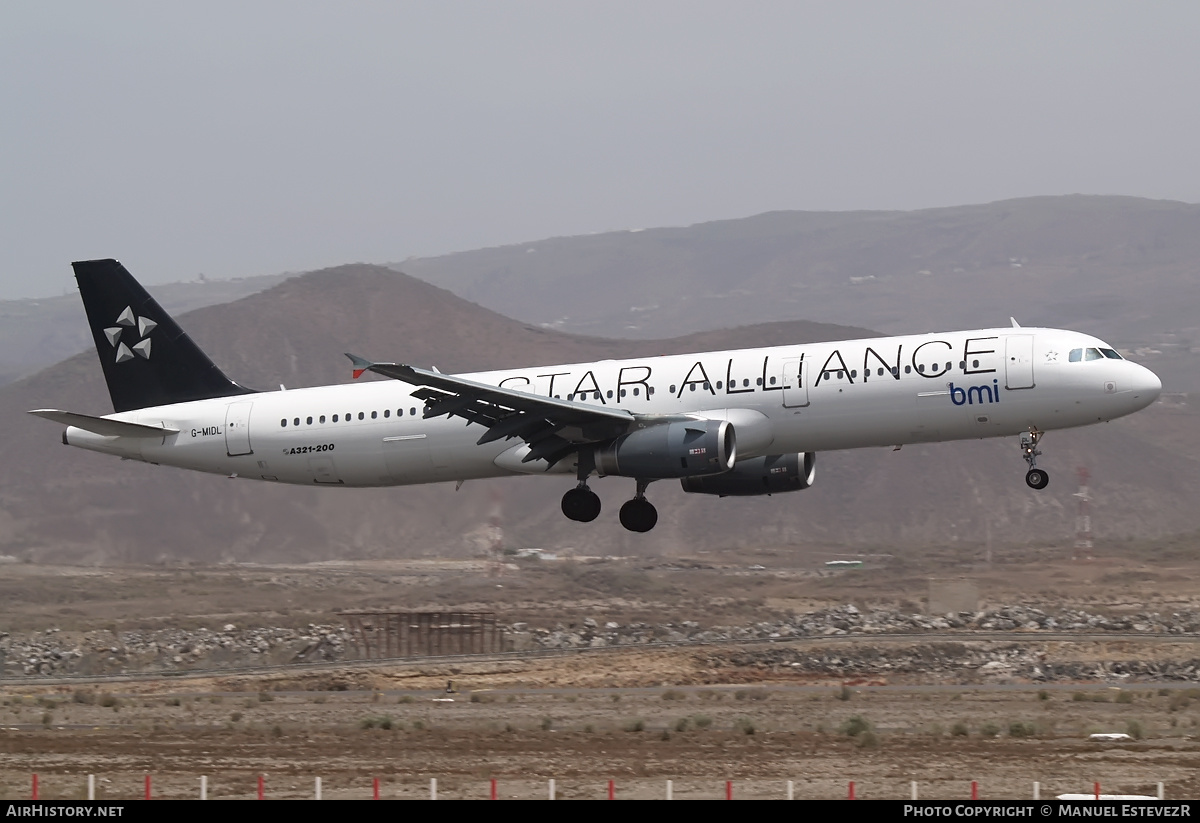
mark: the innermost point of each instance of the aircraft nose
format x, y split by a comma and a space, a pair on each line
1146, 385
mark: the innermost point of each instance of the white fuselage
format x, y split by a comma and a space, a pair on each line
803, 398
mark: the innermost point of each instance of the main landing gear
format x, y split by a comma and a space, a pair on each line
639, 514
1036, 478
582, 505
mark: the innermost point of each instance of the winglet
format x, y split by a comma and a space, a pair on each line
1014, 322
360, 365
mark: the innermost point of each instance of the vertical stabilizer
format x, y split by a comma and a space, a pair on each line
147, 359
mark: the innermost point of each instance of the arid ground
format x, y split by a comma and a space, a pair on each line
697, 715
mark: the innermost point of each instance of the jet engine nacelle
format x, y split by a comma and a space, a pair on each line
683, 448
770, 474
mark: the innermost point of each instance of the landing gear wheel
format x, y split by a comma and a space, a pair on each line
639, 515
1035, 477
581, 504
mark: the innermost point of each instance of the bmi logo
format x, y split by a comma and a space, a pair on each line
127, 320
975, 394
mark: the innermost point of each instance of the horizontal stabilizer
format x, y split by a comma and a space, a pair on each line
102, 425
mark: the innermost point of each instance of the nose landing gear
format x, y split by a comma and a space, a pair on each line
1036, 478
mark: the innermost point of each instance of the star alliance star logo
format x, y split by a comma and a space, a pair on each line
127, 320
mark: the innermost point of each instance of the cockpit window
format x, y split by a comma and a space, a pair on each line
1077, 355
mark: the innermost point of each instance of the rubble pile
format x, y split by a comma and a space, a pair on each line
849, 620
51, 653
980, 661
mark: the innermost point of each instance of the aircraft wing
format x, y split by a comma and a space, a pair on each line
553, 428
102, 425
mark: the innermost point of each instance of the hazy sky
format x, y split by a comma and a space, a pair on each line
255, 137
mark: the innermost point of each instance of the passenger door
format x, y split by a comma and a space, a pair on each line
1018, 361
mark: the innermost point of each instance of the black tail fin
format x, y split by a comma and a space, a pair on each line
147, 358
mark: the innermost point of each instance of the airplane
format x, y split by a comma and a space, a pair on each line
727, 423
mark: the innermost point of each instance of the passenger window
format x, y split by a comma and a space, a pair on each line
322, 419
609, 393
374, 415
908, 369
283, 423
854, 373
308, 421
652, 389
387, 412
718, 384
1075, 356
691, 386
361, 416
672, 388
772, 382
623, 392
895, 371
335, 418
635, 391
758, 381
948, 366
974, 364
839, 374
921, 368
881, 371
413, 410
745, 382
296, 422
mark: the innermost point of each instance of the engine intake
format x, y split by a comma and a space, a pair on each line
683, 448
771, 474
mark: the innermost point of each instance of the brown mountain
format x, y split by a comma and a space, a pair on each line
36, 333
58, 503
63, 503
1123, 268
